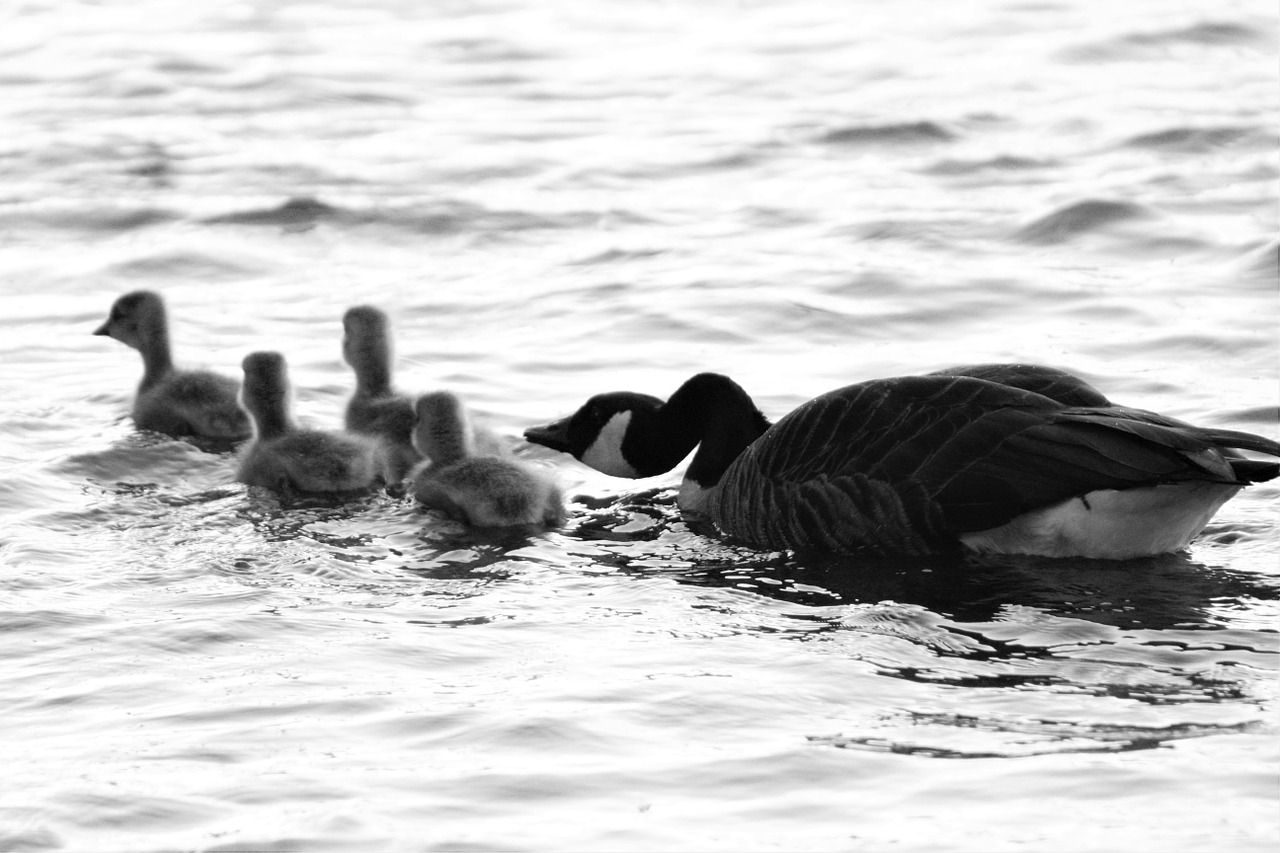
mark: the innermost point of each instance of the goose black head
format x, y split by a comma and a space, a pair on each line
609, 433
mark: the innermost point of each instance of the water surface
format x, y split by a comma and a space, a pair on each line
558, 199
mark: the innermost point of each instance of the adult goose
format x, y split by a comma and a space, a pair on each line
179, 403
473, 487
919, 464
288, 459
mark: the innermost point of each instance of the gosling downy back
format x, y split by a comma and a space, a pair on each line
478, 489
179, 403
914, 465
283, 457
442, 431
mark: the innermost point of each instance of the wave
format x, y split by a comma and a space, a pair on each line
89, 216
302, 210
1082, 217
1206, 32
935, 735
1263, 263
1003, 163
1146, 44
180, 264
889, 134
446, 217
610, 256
1197, 140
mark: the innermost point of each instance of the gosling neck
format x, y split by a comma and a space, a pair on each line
372, 365
157, 356
271, 416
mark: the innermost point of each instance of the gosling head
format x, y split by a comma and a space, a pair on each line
265, 392
364, 336
610, 433
136, 319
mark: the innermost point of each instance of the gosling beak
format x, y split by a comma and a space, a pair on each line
554, 435
104, 329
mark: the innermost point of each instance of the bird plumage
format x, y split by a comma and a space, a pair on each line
284, 457
176, 402
918, 464
484, 490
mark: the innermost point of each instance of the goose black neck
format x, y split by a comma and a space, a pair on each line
716, 414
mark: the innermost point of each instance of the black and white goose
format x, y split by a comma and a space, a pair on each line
1013, 459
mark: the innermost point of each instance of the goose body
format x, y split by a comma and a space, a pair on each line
283, 457
477, 489
179, 403
919, 464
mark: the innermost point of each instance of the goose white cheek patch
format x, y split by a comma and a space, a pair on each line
605, 453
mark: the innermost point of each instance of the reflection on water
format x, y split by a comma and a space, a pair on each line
1166, 591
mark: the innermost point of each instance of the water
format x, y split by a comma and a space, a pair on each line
555, 199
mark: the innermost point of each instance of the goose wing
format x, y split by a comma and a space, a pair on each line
1066, 388
906, 464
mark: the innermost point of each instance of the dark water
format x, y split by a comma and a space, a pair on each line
558, 199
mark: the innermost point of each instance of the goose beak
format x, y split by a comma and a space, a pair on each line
104, 329
554, 435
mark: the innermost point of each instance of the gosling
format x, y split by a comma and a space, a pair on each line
479, 490
291, 460
375, 408
178, 403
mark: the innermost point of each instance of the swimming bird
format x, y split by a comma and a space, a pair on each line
480, 490
179, 403
283, 457
923, 464
375, 408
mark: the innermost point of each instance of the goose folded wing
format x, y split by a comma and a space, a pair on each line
889, 429
982, 478
1050, 382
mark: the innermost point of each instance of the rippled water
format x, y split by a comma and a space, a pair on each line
554, 199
